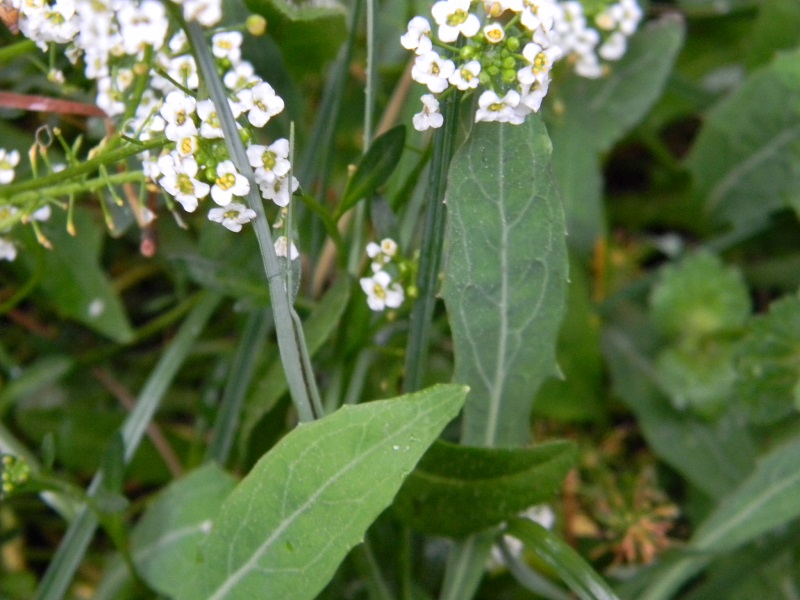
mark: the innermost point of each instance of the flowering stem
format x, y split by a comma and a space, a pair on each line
90, 166
431, 252
291, 343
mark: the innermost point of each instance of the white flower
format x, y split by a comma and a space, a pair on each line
282, 250
206, 12
279, 190
227, 44
41, 214
178, 179
494, 33
495, 8
262, 103
465, 77
430, 117
270, 162
142, 25
232, 216
453, 17
494, 108
431, 70
627, 14
210, 127
537, 14
228, 183
241, 76
381, 292
8, 160
541, 62
186, 146
8, 251
183, 69
381, 254
614, 47
177, 111
417, 37
389, 247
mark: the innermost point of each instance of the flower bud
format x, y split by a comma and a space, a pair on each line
256, 25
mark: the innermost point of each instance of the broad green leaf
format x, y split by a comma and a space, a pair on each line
777, 27
76, 286
698, 297
767, 363
318, 328
374, 168
708, 8
586, 117
768, 499
286, 527
714, 457
505, 277
458, 490
746, 160
308, 32
164, 542
568, 564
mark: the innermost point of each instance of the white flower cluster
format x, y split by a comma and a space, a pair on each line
381, 289
507, 50
114, 38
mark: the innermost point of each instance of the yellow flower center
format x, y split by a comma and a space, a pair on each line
226, 181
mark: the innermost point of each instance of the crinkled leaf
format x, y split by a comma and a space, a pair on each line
458, 490
286, 527
164, 542
506, 274
746, 160
700, 378
699, 296
768, 363
76, 286
714, 457
767, 499
586, 117
374, 168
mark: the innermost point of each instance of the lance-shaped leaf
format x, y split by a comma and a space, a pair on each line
164, 542
768, 499
457, 490
506, 275
746, 155
286, 527
374, 168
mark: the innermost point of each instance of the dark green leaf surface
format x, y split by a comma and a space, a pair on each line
568, 564
374, 168
699, 296
746, 159
586, 117
76, 286
286, 527
505, 277
768, 363
769, 498
457, 490
164, 542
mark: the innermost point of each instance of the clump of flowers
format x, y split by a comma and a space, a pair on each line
147, 78
505, 50
384, 289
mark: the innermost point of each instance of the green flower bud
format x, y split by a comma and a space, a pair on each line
509, 62
513, 43
256, 25
509, 75
467, 52
493, 70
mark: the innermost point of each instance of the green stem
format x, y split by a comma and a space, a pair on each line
11, 52
73, 547
90, 166
431, 252
301, 380
65, 189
